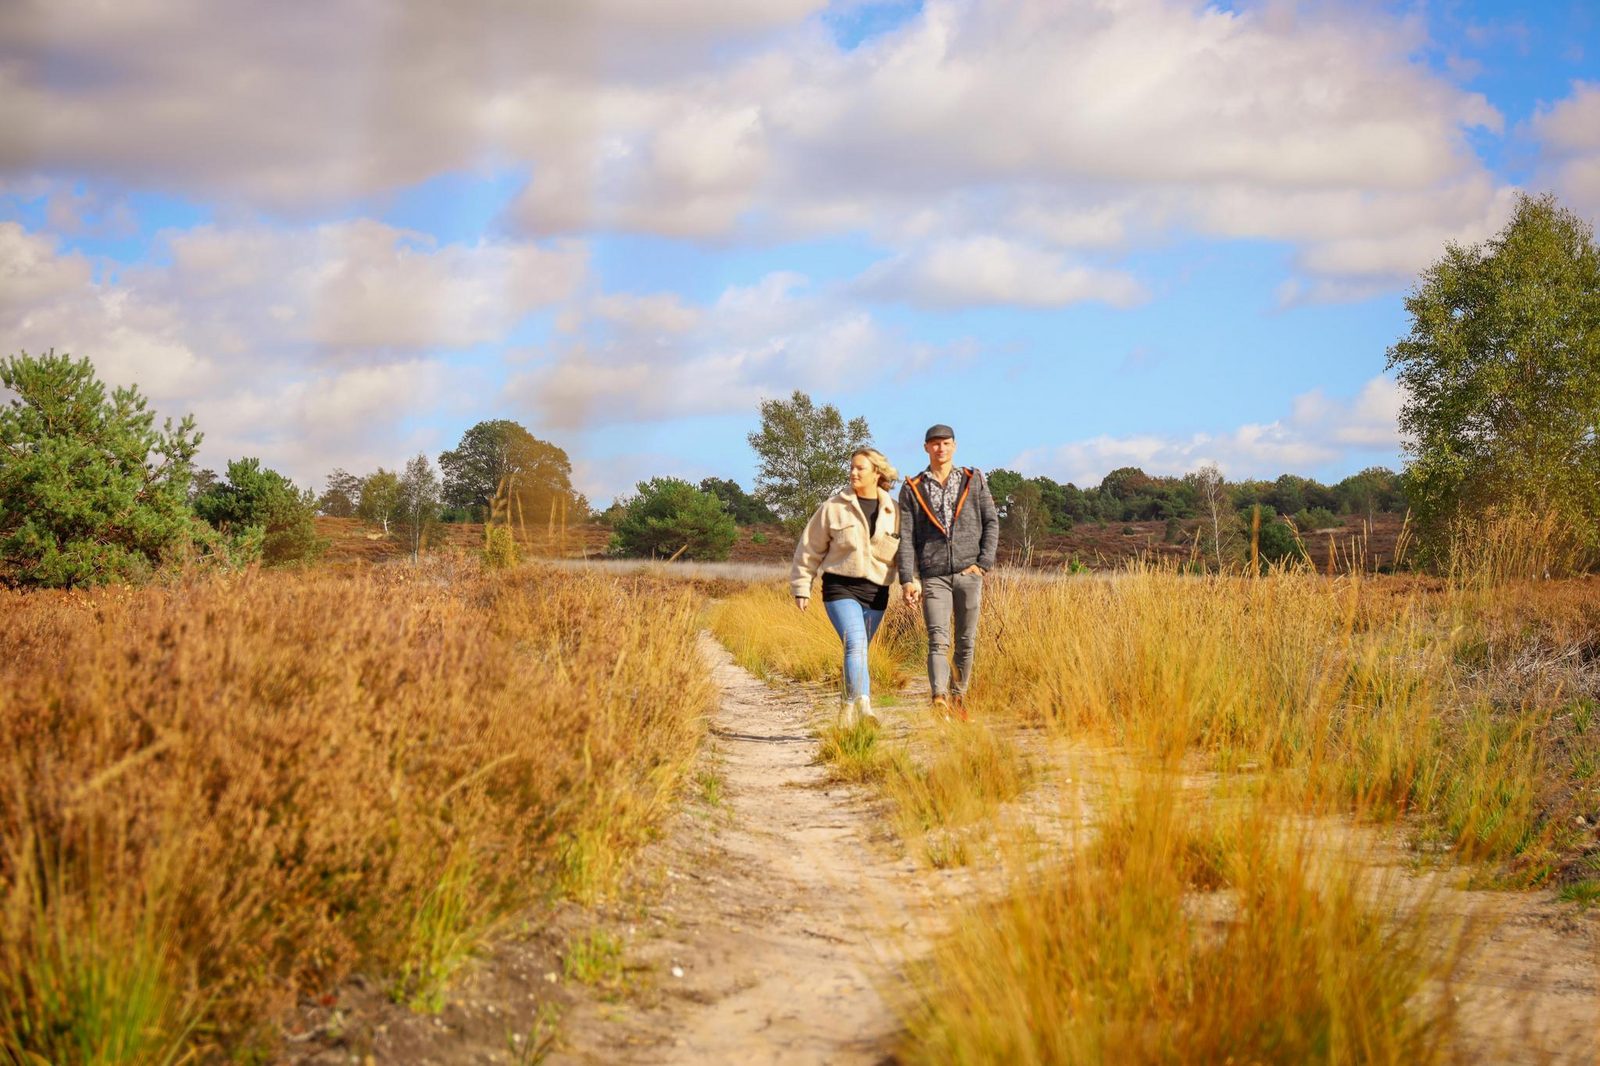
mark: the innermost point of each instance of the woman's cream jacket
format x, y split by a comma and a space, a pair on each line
835, 542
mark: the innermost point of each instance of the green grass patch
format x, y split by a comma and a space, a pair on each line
1585, 893
594, 959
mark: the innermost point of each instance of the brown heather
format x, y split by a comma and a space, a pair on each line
217, 797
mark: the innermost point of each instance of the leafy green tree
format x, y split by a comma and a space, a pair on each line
1288, 494
1064, 503
201, 483
417, 503
340, 495
1375, 489
90, 490
1002, 483
745, 508
803, 451
379, 503
1312, 519
1501, 372
1278, 543
1026, 520
258, 505
670, 517
501, 455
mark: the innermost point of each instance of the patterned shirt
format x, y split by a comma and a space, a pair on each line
942, 498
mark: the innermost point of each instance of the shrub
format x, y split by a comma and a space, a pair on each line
673, 518
260, 509
1309, 519
1278, 543
202, 822
499, 548
90, 491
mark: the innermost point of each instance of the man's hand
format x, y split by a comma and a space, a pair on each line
802, 602
973, 569
911, 593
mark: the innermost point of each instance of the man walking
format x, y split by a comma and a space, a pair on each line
953, 534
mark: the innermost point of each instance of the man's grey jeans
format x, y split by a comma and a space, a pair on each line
954, 598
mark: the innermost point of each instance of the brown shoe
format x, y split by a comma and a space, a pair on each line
958, 704
941, 707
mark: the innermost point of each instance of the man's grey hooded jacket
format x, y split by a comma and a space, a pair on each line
927, 549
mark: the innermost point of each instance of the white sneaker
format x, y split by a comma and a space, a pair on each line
847, 713
864, 705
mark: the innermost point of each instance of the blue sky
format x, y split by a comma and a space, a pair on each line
1089, 235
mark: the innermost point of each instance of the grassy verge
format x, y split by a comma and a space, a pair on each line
1364, 695
217, 797
768, 636
1184, 923
937, 785
1170, 935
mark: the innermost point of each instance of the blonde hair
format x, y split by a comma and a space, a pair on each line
886, 473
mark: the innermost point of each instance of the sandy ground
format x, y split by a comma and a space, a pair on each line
773, 922
788, 922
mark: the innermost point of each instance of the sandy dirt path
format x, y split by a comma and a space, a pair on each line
780, 925
773, 921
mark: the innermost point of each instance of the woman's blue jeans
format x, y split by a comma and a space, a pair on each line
856, 625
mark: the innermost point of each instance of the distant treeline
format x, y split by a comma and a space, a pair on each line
1128, 494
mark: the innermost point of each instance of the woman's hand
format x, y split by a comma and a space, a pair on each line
802, 602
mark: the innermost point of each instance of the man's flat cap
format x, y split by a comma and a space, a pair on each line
939, 432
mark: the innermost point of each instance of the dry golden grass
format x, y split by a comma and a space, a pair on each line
1361, 694
934, 783
215, 797
769, 636
1184, 924
1345, 693
1175, 934
937, 783
1517, 542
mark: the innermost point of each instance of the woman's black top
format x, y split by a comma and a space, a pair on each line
864, 590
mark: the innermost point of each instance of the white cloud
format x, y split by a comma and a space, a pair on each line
613, 476
33, 272
306, 347
237, 100
1569, 136
1319, 432
363, 284
1572, 126
1045, 125
656, 313
992, 271
753, 341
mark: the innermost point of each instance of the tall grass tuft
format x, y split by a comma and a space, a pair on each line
769, 636
1516, 542
957, 776
1172, 936
219, 796
1348, 692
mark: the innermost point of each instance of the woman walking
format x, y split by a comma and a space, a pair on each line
852, 541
